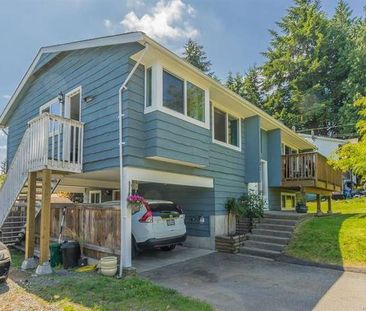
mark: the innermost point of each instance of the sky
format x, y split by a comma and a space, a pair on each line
233, 32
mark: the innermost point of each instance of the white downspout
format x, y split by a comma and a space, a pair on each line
125, 246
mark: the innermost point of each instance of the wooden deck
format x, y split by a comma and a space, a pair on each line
310, 170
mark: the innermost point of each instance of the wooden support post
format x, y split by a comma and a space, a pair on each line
45, 216
318, 206
330, 205
31, 214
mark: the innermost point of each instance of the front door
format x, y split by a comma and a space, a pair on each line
263, 185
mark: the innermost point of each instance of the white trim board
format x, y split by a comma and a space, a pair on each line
153, 176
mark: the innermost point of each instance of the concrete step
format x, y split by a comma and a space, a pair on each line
274, 233
284, 215
268, 239
259, 252
275, 221
275, 227
264, 245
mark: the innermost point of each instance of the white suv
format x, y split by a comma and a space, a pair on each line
158, 224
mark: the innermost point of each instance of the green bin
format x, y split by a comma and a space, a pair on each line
55, 252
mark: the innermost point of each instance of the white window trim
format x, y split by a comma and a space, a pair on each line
95, 192
114, 193
145, 89
48, 104
226, 144
68, 95
289, 194
157, 97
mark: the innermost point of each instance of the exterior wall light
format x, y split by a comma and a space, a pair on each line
202, 220
61, 98
88, 98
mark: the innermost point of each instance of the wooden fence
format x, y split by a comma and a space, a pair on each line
97, 226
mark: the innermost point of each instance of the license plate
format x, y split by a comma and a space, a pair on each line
170, 222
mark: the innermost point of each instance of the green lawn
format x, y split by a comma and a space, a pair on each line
91, 291
338, 239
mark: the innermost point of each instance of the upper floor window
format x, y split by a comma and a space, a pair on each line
173, 92
226, 128
149, 87
195, 102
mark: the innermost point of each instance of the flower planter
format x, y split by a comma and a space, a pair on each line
243, 225
229, 244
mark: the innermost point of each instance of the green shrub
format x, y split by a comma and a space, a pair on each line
252, 205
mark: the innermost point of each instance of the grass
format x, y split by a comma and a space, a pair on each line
339, 239
91, 291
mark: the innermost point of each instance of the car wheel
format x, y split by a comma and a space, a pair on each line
168, 248
3, 280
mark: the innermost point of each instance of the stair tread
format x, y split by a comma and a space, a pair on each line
264, 243
268, 251
269, 236
272, 230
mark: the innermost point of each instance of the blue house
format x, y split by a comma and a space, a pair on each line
183, 137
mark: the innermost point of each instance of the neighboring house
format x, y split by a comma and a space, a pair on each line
186, 137
327, 147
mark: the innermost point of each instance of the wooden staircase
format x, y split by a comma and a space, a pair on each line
13, 229
50, 143
271, 235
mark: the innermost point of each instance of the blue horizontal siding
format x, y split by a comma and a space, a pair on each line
100, 72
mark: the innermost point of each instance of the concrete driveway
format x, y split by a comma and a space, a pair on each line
236, 282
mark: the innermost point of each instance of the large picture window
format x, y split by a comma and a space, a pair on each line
226, 128
183, 97
173, 92
195, 102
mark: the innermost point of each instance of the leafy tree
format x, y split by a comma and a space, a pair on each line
195, 55
352, 156
2, 179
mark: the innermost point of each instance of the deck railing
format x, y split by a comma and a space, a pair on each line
310, 167
50, 142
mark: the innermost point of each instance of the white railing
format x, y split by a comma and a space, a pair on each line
51, 142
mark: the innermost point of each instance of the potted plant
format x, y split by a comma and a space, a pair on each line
231, 242
253, 206
301, 207
135, 201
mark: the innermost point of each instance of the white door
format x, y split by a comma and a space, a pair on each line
71, 135
263, 189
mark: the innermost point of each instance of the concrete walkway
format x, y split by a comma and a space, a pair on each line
237, 282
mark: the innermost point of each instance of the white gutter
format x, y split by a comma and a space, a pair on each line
125, 246
5, 132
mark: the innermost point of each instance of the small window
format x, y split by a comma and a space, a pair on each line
220, 125
233, 129
95, 197
226, 128
173, 92
53, 107
148, 87
116, 195
195, 102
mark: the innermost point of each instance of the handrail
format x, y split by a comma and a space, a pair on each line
309, 166
49, 141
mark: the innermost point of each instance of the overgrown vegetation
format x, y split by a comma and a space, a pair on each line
338, 239
90, 291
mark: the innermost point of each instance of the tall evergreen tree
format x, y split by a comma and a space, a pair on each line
195, 55
247, 86
294, 67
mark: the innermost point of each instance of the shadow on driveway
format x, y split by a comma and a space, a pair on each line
236, 282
